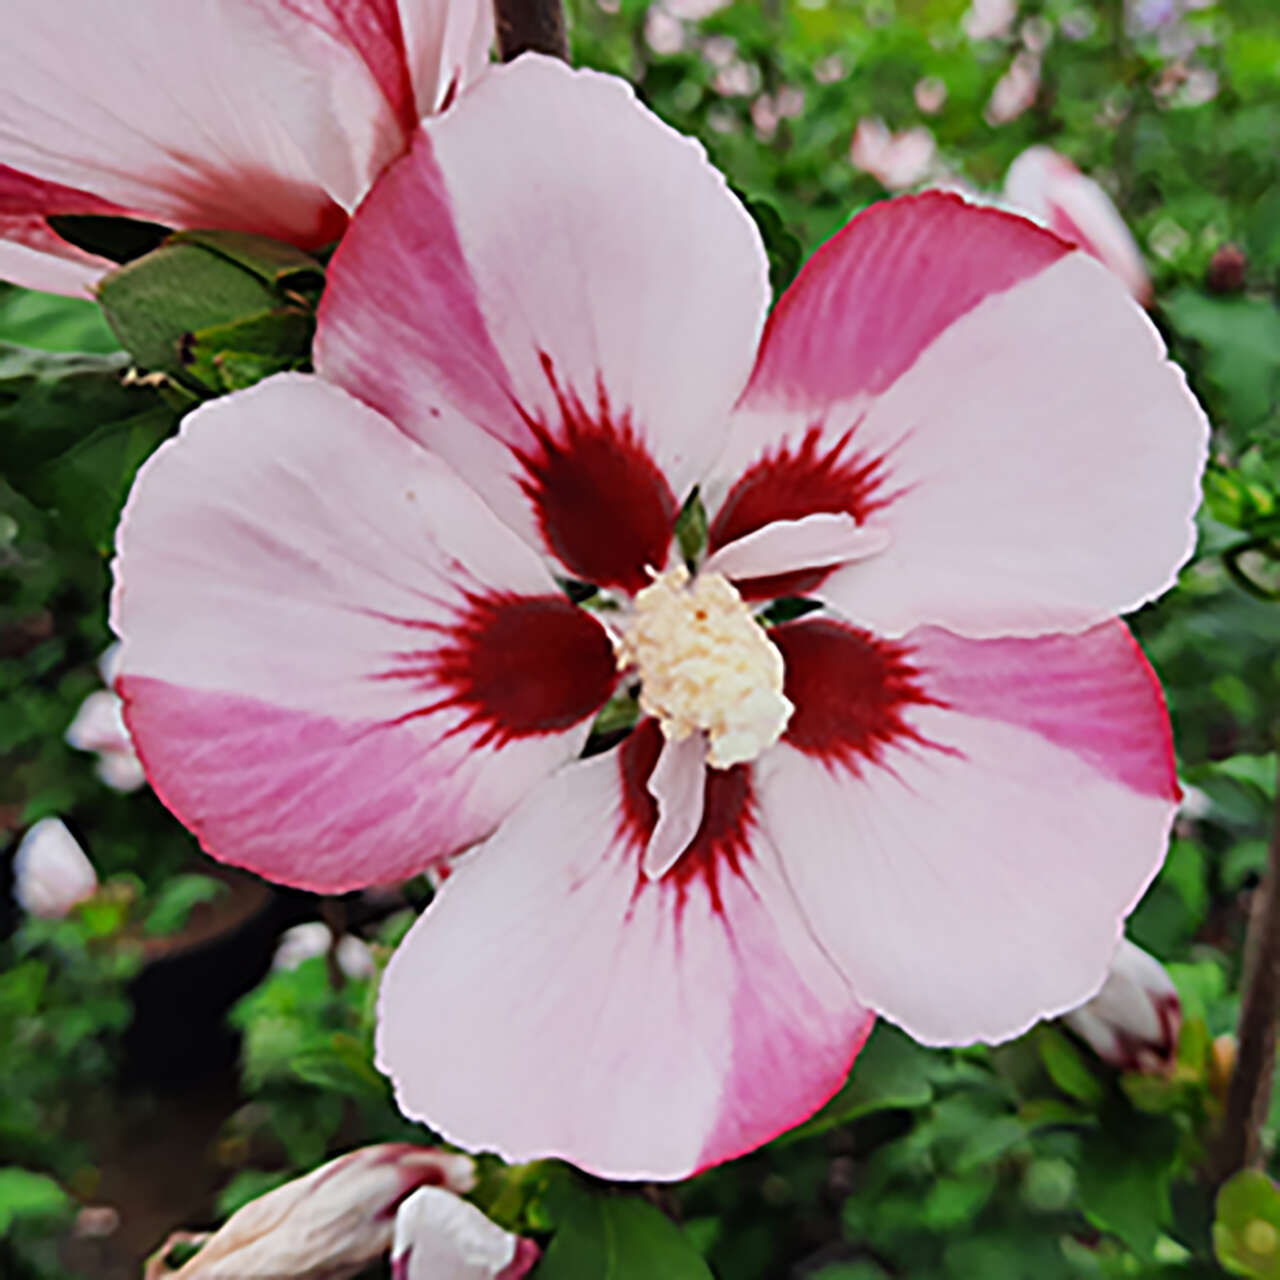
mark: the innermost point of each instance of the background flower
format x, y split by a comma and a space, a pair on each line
230, 114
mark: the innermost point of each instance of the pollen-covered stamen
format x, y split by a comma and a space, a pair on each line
706, 666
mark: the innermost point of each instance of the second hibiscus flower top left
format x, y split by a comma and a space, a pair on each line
267, 116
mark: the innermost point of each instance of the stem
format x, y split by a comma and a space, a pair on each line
1249, 1097
531, 25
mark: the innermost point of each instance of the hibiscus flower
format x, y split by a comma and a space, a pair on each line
267, 116
370, 617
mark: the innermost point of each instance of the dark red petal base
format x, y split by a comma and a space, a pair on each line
518, 666
793, 481
604, 507
850, 690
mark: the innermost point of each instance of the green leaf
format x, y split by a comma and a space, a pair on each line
891, 1072
1124, 1172
24, 1194
603, 1235
176, 900
1240, 339
1067, 1067
1246, 1227
177, 309
53, 323
272, 261
73, 433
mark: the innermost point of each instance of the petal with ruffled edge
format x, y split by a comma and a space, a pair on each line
957, 377
337, 664
237, 114
967, 822
559, 295
656, 1027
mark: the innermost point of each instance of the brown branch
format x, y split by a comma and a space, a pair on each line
1249, 1095
531, 25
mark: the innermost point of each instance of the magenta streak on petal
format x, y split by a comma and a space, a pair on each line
794, 480
304, 799
880, 291
373, 29
1093, 694
604, 507
765, 1052
20, 193
400, 319
851, 691
722, 841
516, 666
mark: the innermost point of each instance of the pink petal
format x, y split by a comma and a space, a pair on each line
967, 822
676, 785
337, 664
31, 254
656, 1027
271, 118
565, 310
821, 540
440, 1236
1002, 410
1049, 188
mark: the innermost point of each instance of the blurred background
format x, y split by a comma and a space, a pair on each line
162, 1059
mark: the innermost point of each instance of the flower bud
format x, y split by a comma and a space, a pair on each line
440, 1237
1133, 1021
330, 1224
214, 310
99, 727
1049, 188
303, 941
51, 872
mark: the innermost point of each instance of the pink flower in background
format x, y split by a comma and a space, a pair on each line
440, 1237
1046, 186
269, 116
347, 656
51, 872
314, 938
1015, 91
896, 160
99, 727
330, 1224
989, 19
1133, 1021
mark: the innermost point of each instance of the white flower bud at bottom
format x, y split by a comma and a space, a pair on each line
330, 1224
441, 1237
1134, 1020
51, 872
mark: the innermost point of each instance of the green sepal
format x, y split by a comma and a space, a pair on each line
206, 295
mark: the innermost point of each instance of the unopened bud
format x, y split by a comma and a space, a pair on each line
1134, 1020
1227, 270
330, 1224
51, 872
214, 310
441, 1237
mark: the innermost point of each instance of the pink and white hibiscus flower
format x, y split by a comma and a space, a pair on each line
1046, 186
269, 116
347, 654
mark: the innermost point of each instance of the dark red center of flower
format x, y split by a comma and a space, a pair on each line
517, 666
604, 507
851, 691
721, 842
795, 480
